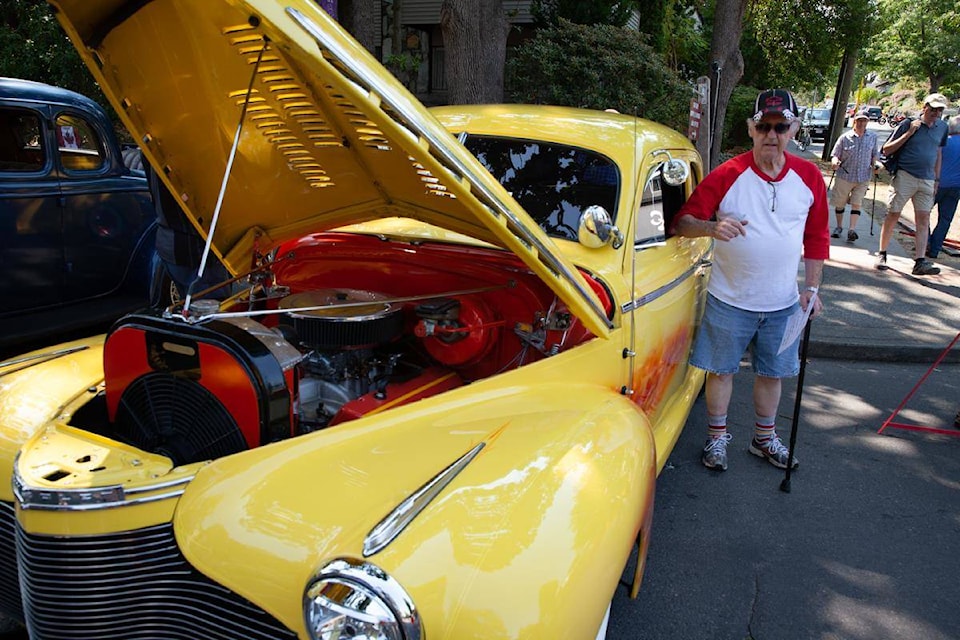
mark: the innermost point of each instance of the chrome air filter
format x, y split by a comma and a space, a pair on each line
342, 318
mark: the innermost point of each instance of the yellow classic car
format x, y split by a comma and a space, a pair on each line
439, 403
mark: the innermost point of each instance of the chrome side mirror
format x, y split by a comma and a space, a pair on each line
597, 229
675, 172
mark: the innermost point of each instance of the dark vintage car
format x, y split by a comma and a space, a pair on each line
76, 225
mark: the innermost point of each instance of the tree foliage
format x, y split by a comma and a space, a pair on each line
33, 46
800, 42
598, 67
920, 40
547, 13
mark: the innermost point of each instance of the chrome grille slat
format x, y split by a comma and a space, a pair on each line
9, 577
134, 585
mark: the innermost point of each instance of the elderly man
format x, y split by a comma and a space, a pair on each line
766, 208
918, 144
854, 159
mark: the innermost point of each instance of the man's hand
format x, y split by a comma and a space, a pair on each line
835, 163
805, 296
727, 229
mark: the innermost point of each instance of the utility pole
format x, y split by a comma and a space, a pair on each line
838, 115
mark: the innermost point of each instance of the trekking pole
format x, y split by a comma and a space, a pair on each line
873, 207
805, 340
832, 173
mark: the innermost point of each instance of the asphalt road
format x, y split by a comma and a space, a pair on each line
866, 546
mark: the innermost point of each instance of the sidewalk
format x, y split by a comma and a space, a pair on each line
890, 315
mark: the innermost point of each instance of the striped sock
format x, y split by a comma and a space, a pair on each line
764, 429
716, 425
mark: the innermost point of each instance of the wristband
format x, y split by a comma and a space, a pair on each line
813, 289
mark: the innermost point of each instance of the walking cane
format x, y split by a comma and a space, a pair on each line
832, 173
873, 208
785, 484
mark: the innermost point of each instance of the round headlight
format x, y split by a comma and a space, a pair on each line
352, 600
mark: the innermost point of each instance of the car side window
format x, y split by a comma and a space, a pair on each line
658, 205
80, 146
21, 141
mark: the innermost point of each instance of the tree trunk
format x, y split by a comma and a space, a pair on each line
475, 46
725, 55
360, 17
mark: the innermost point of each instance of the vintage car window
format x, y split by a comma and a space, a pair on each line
658, 205
21, 147
554, 183
80, 147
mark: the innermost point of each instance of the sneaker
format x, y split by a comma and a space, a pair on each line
852, 236
715, 452
882, 261
836, 232
774, 451
923, 267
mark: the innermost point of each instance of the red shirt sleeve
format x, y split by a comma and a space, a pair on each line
706, 198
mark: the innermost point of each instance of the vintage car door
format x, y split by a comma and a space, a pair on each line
31, 241
103, 210
668, 277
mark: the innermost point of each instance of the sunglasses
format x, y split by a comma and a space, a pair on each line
780, 127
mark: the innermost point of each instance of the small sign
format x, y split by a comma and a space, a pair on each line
696, 113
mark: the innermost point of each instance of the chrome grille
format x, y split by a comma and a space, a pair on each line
9, 578
132, 585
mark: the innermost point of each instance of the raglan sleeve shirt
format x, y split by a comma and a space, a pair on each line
787, 219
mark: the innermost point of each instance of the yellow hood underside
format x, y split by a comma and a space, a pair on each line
315, 132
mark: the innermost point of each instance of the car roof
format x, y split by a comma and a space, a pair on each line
28, 90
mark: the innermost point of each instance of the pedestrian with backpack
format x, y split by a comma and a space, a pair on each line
917, 147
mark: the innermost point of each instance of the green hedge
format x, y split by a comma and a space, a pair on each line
597, 67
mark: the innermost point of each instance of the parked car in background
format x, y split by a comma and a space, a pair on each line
76, 225
875, 113
438, 410
817, 121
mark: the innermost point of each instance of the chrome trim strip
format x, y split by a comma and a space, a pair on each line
398, 519
665, 289
441, 146
39, 358
93, 499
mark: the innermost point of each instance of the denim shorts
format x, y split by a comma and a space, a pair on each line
727, 332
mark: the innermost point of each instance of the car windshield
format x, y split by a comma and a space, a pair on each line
818, 114
554, 183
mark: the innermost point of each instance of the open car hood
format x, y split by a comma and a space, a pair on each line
325, 136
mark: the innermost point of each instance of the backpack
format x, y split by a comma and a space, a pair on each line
891, 162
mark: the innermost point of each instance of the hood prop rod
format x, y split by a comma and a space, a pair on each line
226, 177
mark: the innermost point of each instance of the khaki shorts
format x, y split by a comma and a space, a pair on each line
844, 191
905, 187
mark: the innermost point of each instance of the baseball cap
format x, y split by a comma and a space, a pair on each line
936, 100
775, 101
863, 113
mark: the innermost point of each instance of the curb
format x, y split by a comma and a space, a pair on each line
881, 353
